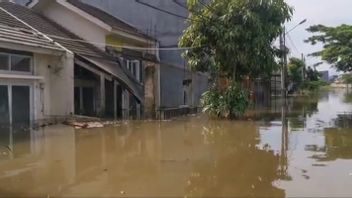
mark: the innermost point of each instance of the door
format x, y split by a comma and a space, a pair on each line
88, 101
4, 105
21, 105
4, 116
15, 105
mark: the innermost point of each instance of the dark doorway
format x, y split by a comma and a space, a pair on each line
4, 105
85, 94
88, 101
21, 105
119, 101
77, 101
109, 99
4, 117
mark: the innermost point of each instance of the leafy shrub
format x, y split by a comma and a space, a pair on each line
313, 85
230, 103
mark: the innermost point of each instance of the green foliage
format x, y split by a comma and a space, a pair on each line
347, 78
234, 37
231, 103
295, 68
313, 85
312, 74
337, 45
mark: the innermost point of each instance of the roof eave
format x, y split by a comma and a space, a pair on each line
30, 47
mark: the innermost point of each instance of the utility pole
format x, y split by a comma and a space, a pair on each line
304, 68
284, 58
283, 63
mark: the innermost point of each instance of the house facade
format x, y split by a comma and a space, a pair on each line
137, 52
62, 74
166, 21
35, 74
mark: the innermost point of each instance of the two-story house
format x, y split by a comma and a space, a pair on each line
92, 83
165, 20
136, 51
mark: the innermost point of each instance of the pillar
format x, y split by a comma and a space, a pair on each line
149, 92
102, 95
125, 104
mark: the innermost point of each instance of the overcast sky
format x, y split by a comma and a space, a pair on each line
326, 12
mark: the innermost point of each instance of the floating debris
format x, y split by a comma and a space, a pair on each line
85, 125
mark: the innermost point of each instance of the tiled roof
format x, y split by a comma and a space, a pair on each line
25, 37
66, 39
13, 31
114, 22
48, 27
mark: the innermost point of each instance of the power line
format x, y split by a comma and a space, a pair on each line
170, 13
162, 10
292, 43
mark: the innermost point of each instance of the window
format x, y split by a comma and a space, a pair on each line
20, 63
15, 62
4, 62
134, 67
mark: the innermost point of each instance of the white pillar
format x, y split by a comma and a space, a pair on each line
125, 104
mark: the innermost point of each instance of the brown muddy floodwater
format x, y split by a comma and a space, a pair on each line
304, 153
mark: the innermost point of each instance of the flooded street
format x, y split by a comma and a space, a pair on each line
304, 152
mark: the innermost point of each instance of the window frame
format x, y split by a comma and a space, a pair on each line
134, 66
9, 71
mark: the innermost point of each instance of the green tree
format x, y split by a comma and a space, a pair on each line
312, 74
337, 45
295, 69
347, 78
234, 38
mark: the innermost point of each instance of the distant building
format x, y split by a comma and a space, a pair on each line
324, 75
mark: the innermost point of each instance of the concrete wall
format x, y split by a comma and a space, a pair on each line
173, 90
51, 83
171, 86
53, 96
166, 28
76, 24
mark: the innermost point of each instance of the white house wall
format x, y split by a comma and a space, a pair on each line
76, 24
54, 96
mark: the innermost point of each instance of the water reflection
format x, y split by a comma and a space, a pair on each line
231, 170
276, 152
